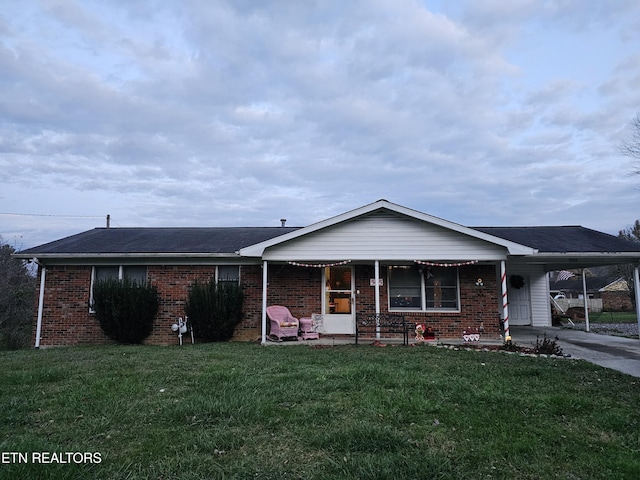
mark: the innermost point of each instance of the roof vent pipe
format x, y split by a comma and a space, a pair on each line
283, 221
108, 221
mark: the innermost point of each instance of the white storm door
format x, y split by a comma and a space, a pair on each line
520, 304
338, 300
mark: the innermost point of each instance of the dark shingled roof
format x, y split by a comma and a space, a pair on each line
563, 239
159, 240
228, 240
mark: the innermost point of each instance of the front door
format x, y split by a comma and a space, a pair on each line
519, 303
338, 301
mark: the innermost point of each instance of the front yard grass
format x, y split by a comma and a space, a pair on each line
226, 411
613, 317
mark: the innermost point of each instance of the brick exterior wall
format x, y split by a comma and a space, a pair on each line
65, 318
617, 302
67, 321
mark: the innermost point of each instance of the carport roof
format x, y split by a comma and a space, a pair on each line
563, 239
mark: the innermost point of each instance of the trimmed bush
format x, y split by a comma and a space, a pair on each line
214, 310
125, 309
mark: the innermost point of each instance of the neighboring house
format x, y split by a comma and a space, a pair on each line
605, 292
380, 258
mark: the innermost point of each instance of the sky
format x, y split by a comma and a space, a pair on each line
242, 112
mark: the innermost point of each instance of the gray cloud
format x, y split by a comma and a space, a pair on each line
241, 113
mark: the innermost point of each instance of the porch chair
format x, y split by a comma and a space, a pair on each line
308, 329
282, 323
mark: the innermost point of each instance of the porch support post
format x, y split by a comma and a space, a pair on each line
636, 288
43, 273
264, 302
505, 302
585, 299
376, 269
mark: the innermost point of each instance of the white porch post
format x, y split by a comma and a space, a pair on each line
636, 287
505, 302
585, 299
264, 302
376, 269
43, 273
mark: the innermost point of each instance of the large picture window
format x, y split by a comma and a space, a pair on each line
405, 288
423, 288
442, 288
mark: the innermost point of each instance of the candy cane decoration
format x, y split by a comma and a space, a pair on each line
505, 303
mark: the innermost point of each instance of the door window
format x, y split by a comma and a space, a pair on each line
338, 290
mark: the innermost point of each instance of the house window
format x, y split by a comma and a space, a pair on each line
135, 273
423, 289
228, 273
442, 288
405, 288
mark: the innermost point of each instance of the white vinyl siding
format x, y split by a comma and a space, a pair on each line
385, 236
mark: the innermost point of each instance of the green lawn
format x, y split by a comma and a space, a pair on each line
226, 411
613, 317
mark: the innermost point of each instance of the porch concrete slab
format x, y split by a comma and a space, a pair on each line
617, 353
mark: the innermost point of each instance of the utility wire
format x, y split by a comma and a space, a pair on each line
51, 215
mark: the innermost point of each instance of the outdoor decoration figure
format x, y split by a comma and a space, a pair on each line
420, 333
471, 336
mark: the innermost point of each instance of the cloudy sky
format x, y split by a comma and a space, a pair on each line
242, 112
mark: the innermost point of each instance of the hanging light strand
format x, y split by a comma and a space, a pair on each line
319, 265
459, 264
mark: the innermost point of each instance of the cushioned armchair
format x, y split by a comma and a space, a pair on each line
282, 323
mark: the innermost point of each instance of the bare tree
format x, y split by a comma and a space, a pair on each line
17, 296
632, 234
631, 146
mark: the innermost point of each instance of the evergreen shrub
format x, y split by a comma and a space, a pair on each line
125, 309
214, 309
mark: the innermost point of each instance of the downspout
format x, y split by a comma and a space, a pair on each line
505, 302
264, 302
636, 287
43, 273
585, 299
376, 269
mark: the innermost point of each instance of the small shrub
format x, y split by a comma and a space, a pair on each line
125, 309
214, 310
547, 346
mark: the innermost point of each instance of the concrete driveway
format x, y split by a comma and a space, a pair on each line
617, 353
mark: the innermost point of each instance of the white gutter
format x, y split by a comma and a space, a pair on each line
43, 273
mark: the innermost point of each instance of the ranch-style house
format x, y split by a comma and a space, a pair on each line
381, 260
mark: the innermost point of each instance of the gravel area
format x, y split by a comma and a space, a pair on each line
620, 329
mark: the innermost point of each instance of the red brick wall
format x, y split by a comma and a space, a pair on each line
67, 321
173, 282
65, 318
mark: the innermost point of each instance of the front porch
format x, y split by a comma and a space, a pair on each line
447, 298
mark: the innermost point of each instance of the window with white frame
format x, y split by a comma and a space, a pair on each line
413, 288
135, 273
